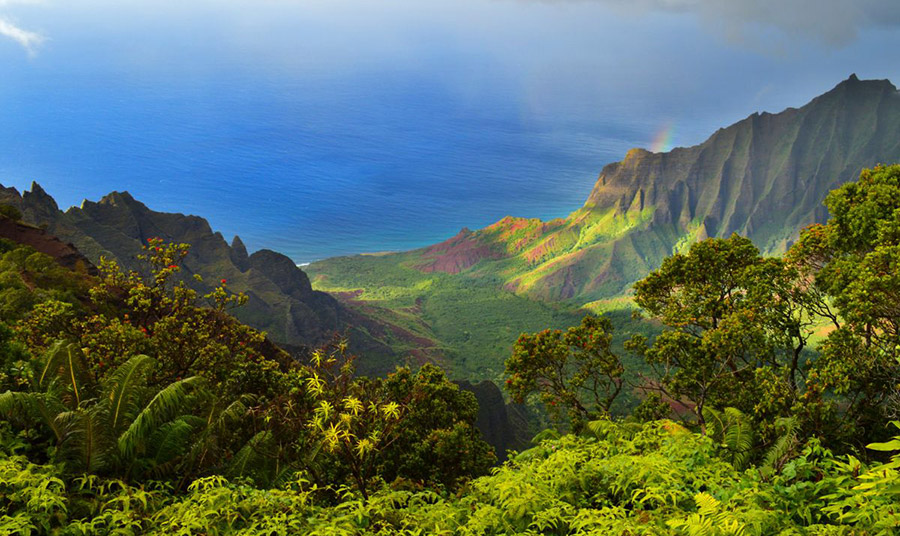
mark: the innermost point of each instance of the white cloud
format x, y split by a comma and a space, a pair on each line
30, 41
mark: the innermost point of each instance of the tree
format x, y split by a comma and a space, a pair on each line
154, 313
574, 372
855, 259
737, 325
437, 441
335, 426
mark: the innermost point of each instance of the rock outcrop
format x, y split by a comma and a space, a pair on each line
281, 300
764, 177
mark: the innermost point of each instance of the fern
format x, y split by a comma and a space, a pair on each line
715, 424
785, 446
65, 363
122, 388
251, 459
734, 431
739, 437
171, 440
34, 407
165, 406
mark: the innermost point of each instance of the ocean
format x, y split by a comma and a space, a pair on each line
324, 129
374, 170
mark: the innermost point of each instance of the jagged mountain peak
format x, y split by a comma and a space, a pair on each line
121, 198
38, 196
281, 300
764, 177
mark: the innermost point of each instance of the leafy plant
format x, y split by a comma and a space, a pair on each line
574, 372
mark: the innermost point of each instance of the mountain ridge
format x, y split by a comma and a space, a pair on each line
281, 299
764, 177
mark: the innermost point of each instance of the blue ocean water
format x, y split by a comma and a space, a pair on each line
330, 128
373, 171
311, 168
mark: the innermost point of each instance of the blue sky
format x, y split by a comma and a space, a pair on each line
569, 83
578, 58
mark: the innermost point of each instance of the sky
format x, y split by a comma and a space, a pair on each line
400, 89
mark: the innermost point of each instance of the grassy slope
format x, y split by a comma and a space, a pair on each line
466, 322
763, 177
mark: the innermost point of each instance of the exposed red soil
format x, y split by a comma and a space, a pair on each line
457, 254
39, 239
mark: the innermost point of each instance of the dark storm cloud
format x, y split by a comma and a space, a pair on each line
834, 22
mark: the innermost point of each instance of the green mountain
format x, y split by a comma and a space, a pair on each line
278, 290
764, 177
281, 300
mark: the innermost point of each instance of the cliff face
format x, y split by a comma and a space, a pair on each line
764, 177
282, 302
39, 239
504, 426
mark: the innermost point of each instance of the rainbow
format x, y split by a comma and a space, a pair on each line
662, 141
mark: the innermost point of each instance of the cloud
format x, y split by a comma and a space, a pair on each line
30, 41
832, 22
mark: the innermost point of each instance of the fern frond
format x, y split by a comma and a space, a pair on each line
27, 406
52, 361
706, 503
249, 459
739, 436
600, 428
121, 386
170, 440
544, 435
65, 362
234, 412
285, 476
168, 404
786, 444
715, 424
87, 442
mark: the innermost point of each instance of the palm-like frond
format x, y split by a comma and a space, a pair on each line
715, 424
733, 430
253, 459
65, 362
546, 434
122, 386
739, 435
220, 425
786, 444
88, 441
42, 407
168, 404
284, 476
169, 445
235, 411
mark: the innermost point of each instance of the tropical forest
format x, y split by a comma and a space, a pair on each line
133, 404
451, 268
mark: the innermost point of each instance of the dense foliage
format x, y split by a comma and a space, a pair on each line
134, 406
802, 346
134, 376
575, 371
615, 479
